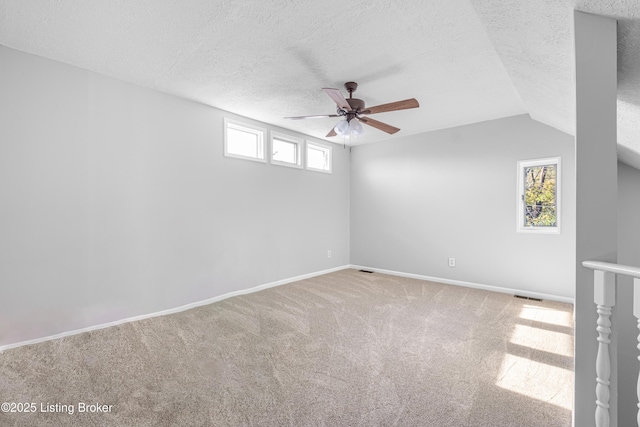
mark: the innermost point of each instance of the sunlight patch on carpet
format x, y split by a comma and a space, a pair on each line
536, 380
547, 315
543, 333
543, 340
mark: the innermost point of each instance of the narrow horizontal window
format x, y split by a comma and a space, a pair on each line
286, 150
539, 195
318, 157
244, 141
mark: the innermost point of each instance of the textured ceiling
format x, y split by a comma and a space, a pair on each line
464, 60
535, 43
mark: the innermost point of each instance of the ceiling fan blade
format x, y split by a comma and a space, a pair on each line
331, 133
320, 116
379, 125
338, 98
392, 106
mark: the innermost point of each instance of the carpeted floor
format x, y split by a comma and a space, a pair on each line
343, 349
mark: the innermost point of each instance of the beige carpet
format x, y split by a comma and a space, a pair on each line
343, 349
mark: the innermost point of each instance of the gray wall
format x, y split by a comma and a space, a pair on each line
419, 200
596, 195
628, 254
116, 201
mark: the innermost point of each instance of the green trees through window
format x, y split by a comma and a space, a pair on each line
540, 196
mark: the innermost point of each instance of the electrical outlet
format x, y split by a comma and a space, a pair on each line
328, 254
452, 262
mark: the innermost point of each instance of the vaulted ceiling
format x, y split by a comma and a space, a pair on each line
464, 60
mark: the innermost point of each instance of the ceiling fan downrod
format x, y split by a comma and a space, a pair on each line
351, 87
357, 105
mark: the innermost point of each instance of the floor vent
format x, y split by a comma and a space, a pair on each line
529, 298
366, 271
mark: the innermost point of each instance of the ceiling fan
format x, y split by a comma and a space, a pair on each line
354, 108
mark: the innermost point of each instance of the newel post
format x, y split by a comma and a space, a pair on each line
604, 296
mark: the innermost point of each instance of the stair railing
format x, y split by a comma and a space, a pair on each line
604, 295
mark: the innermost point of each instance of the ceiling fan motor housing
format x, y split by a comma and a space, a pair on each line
356, 104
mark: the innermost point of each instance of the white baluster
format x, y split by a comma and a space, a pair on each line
604, 295
636, 312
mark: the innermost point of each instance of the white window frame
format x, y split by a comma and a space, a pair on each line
520, 195
320, 146
299, 142
245, 127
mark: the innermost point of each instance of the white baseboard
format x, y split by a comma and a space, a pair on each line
173, 310
470, 285
283, 282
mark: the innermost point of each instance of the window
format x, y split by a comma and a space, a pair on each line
243, 141
318, 157
286, 150
539, 195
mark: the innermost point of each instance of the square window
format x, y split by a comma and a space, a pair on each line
243, 141
318, 157
539, 195
286, 150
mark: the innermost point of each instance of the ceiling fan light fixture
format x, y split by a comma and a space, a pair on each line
349, 128
356, 128
342, 128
